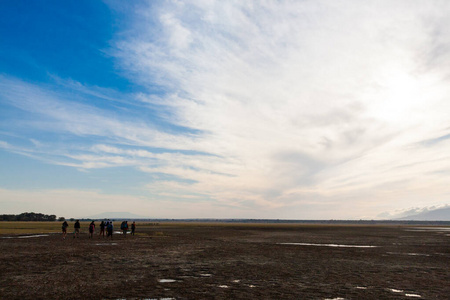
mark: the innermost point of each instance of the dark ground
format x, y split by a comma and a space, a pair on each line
231, 262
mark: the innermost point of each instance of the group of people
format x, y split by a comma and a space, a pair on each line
104, 225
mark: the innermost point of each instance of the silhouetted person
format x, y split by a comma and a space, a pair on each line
64, 229
76, 226
124, 227
91, 229
133, 228
109, 229
102, 228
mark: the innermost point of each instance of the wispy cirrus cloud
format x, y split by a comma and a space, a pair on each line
303, 94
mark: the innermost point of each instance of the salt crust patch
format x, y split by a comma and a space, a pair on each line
329, 245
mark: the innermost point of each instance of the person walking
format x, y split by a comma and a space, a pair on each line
91, 229
64, 229
133, 228
109, 229
102, 228
124, 227
76, 228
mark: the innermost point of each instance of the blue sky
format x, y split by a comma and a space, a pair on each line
224, 109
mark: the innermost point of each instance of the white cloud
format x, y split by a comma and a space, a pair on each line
304, 95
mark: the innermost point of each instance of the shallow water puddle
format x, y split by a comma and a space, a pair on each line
328, 245
434, 228
166, 280
406, 294
156, 299
410, 254
24, 236
413, 295
396, 291
31, 236
429, 229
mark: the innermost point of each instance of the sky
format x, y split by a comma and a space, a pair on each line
224, 109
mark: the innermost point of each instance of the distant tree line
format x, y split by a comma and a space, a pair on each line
30, 216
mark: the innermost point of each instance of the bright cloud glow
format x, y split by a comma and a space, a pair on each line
280, 109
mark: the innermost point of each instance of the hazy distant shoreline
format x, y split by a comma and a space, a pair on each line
275, 221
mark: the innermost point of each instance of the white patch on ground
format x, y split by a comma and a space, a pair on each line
30, 236
396, 291
437, 230
361, 288
338, 298
206, 275
223, 286
236, 281
251, 286
433, 228
166, 280
413, 295
106, 244
329, 245
410, 254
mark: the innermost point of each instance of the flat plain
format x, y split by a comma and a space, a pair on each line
226, 261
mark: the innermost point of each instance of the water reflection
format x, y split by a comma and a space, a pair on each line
24, 236
413, 295
329, 245
166, 280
